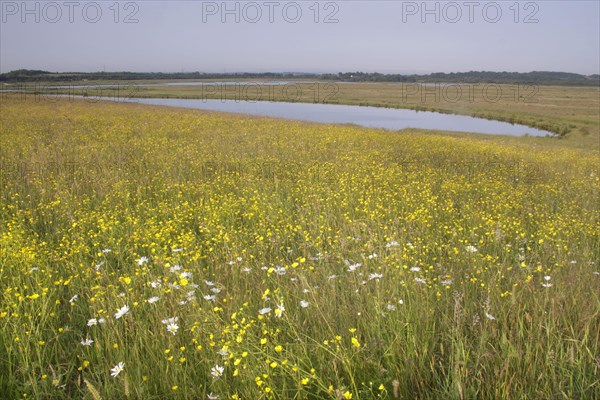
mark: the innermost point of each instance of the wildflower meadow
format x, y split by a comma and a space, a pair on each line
155, 253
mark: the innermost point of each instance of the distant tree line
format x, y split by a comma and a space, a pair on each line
535, 77
24, 75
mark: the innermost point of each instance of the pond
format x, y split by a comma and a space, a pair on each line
371, 117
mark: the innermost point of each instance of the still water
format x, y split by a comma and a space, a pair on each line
372, 117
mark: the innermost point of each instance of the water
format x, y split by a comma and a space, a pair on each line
371, 117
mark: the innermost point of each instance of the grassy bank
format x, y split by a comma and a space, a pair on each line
571, 112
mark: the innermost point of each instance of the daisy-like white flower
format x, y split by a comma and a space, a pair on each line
175, 268
92, 322
177, 250
215, 290
73, 299
86, 342
547, 283
471, 249
372, 256
391, 244
172, 328
375, 276
105, 251
446, 282
353, 267
280, 270
116, 370
303, 303
122, 311
414, 269
209, 283
142, 260
171, 320
156, 284
246, 269
211, 297
212, 396
489, 316
265, 310
101, 320
279, 310
420, 280
191, 294
153, 299
223, 353
391, 307
217, 371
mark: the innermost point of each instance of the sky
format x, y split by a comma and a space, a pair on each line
300, 36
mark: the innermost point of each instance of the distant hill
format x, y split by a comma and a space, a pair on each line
535, 77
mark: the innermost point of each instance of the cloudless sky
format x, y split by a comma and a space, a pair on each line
301, 36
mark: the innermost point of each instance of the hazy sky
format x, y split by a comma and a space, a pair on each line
301, 36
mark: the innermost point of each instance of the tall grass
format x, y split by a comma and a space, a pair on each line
308, 261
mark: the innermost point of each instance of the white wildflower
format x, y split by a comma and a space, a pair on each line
217, 371
142, 260
122, 311
172, 328
116, 370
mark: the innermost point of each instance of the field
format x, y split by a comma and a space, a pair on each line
153, 253
571, 112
